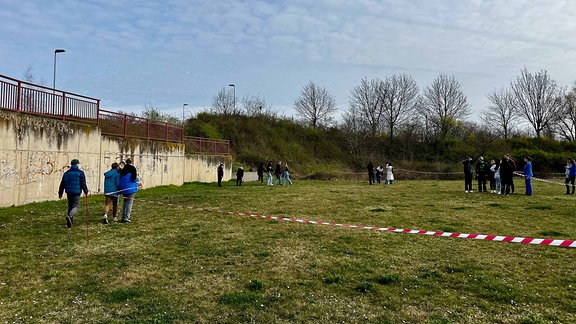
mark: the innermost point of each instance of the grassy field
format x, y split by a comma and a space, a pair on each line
183, 265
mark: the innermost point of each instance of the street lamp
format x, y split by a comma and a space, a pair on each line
234, 92
56, 51
184, 105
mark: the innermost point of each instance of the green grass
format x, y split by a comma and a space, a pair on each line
180, 265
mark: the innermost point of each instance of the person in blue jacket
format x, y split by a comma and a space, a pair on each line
528, 175
111, 191
128, 187
73, 182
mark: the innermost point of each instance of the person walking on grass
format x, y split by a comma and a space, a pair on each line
570, 175
389, 173
468, 174
74, 183
286, 174
528, 175
278, 173
111, 191
129, 184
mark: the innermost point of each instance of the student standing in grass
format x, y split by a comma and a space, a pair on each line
570, 175
481, 173
467, 174
506, 174
370, 169
528, 175
239, 176
379, 173
497, 179
111, 191
389, 173
220, 174
492, 176
512, 164
260, 172
73, 182
269, 173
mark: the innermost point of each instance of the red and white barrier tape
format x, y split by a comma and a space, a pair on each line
541, 180
497, 238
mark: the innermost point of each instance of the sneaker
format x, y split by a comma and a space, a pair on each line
115, 219
68, 221
105, 220
466, 191
125, 220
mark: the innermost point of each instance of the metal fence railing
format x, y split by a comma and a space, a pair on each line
29, 98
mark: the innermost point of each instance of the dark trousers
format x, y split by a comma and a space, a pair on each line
238, 181
482, 182
468, 182
73, 203
219, 181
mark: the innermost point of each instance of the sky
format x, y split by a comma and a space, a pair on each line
164, 54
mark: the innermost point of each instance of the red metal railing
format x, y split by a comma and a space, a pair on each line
25, 97
205, 145
35, 99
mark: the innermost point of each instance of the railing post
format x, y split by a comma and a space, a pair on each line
98, 112
18, 103
125, 130
64, 105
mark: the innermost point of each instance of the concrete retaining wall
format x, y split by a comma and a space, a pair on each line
35, 152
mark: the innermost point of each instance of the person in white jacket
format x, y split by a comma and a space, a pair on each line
389, 173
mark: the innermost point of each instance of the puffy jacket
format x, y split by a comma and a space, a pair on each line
73, 182
111, 181
572, 170
128, 180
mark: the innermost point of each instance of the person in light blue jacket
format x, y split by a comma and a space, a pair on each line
128, 187
528, 175
111, 191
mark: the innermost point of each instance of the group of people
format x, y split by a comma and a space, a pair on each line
375, 175
274, 175
498, 173
122, 178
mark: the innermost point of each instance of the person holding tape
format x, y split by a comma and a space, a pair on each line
129, 184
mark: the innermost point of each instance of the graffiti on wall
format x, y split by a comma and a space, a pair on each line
37, 166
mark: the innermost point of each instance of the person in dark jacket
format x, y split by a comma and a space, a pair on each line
239, 176
370, 169
269, 172
260, 172
111, 191
481, 174
220, 174
73, 182
506, 174
278, 173
129, 184
468, 174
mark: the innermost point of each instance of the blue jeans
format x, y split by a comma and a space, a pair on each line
286, 178
73, 203
269, 181
528, 182
127, 206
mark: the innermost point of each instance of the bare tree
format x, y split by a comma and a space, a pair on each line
315, 105
399, 100
566, 122
444, 104
223, 103
500, 116
356, 131
367, 100
537, 98
256, 106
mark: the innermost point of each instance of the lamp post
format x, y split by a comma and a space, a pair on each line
234, 94
56, 51
184, 105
